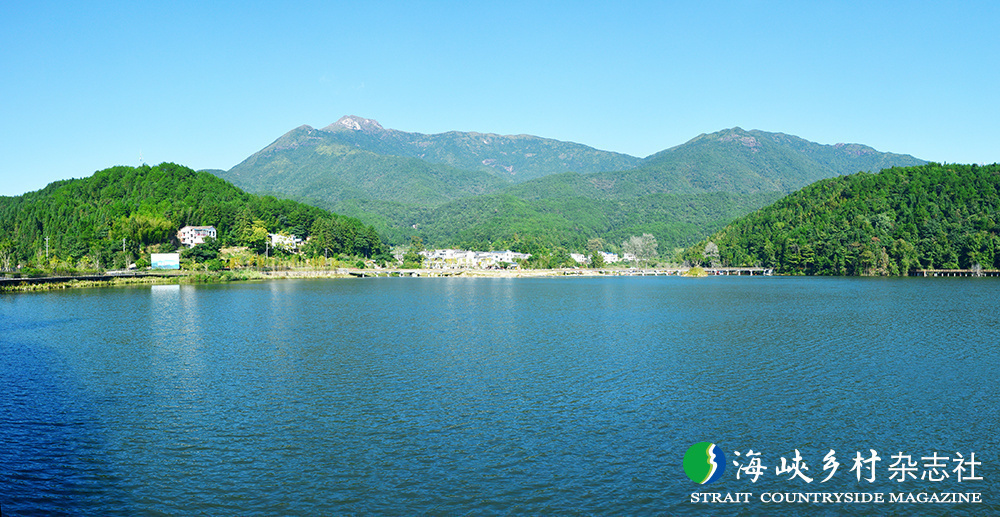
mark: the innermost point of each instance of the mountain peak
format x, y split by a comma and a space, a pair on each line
741, 136
355, 123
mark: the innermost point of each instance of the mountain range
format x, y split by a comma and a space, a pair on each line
356, 158
484, 189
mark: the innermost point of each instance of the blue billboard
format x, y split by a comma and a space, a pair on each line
165, 260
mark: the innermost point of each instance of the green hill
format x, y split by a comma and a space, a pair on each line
513, 157
678, 195
87, 219
357, 158
313, 164
735, 160
458, 188
500, 221
732, 160
889, 223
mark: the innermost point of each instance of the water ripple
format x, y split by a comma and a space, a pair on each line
477, 396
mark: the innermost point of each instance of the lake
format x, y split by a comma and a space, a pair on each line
453, 396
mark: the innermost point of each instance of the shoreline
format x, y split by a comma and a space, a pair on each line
34, 284
51, 283
15, 285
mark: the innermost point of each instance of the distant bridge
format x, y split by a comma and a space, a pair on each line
376, 273
956, 272
722, 271
711, 271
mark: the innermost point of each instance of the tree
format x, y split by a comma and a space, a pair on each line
208, 250
214, 264
257, 238
711, 254
6, 256
413, 259
594, 245
642, 248
596, 260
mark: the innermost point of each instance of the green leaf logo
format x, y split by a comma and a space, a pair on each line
704, 462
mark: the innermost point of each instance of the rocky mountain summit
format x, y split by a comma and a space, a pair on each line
356, 123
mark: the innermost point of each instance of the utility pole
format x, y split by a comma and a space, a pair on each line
46, 248
123, 244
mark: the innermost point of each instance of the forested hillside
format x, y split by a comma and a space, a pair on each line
737, 160
464, 189
357, 158
514, 157
119, 213
731, 160
501, 221
311, 164
928, 217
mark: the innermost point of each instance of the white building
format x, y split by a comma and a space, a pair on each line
285, 242
610, 258
449, 259
192, 236
488, 259
462, 259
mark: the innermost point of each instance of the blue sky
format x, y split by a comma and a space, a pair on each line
89, 85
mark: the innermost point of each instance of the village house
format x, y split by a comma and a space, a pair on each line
192, 236
462, 259
609, 258
289, 243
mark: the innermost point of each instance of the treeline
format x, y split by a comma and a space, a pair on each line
120, 213
932, 216
503, 221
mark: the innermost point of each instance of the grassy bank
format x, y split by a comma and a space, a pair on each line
46, 284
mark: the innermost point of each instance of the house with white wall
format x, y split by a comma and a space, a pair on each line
283, 241
192, 236
464, 259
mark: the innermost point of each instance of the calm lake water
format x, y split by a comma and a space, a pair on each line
493, 396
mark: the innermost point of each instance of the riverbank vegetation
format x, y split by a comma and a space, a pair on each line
54, 283
934, 216
120, 215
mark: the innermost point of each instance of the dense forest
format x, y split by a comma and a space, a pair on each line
122, 213
901, 219
500, 221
